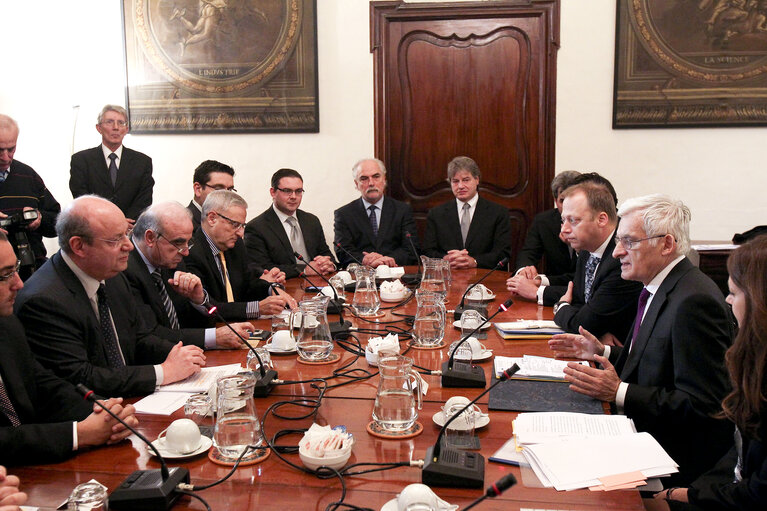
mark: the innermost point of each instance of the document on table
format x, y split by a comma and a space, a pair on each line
537, 427
532, 367
162, 403
202, 381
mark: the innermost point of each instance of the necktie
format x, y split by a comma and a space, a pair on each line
297, 240
373, 221
113, 168
3, 176
114, 359
225, 275
591, 269
465, 222
7, 407
641, 305
170, 310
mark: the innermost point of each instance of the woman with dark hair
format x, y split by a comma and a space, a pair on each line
739, 480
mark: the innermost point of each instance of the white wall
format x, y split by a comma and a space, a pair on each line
72, 55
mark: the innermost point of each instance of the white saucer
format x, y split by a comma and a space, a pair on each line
481, 422
385, 297
205, 444
484, 356
457, 324
277, 351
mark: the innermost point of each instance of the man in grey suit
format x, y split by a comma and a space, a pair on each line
110, 170
670, 375
273, 236
374, 229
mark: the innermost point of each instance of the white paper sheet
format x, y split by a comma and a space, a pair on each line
162, 403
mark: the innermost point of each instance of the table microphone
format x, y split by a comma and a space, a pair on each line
500, 486
267, 377
341, 326
449, 466
143, 489
462, 374
460, 308
413, 278
338, 245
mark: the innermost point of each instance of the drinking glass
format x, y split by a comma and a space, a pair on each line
199, 409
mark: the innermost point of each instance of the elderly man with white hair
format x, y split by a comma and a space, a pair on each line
670, 376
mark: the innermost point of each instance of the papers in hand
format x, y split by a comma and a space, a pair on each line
533, 368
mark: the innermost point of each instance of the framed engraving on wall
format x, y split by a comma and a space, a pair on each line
221, 65
690, 63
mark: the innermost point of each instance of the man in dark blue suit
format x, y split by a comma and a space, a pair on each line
374, 229
209, 176
42, 418
470, 232
111, 170
670, 375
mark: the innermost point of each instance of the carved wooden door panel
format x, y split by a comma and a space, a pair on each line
475, 79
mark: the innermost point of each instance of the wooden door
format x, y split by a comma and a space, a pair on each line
474, 79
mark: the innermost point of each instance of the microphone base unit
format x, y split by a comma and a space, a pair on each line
145, 490
264, 383
340, 329
411, 279
463, 375
453, 468
335, 306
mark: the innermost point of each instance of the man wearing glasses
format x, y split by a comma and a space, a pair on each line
80, 316
172, 301
670, 375
597, 299
209, 176
110, 170
275, 235
220, 259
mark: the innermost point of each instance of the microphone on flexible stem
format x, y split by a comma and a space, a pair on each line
462, 374
143, 489
500, 486
460, 308
267, 375
448, 466
341, 326
338, 245
413, 278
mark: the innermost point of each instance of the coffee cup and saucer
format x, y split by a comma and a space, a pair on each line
182, 439
282, 343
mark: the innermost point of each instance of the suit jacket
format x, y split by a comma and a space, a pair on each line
46, 405
488, 240
132, 192
196, 214
246, 283
613, 302
64, 332
676, 372
268, 244
152, 311
354, 233
542, 242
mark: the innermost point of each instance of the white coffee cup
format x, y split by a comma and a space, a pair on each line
456, 404
417, 496
346, 276
476, 347
283, 340
181, 437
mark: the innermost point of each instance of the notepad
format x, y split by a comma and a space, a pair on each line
533, 367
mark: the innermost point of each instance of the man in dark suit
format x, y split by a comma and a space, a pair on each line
80, 316
220, 259
171, 301
209, 176
470, 232
597, 299
22, 189
544, 243
42, 418
670, 376
374, 229
273, 236
111, 170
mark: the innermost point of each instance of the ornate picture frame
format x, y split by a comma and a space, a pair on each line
221, 65
690, 63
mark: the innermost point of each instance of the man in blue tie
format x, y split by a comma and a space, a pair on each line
597, 299
670, 376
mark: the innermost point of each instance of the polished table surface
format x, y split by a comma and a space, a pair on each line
274, 484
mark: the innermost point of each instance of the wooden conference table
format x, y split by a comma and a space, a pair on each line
275, 485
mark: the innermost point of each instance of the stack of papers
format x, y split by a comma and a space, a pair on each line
533, 368
527, 329
569, 451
